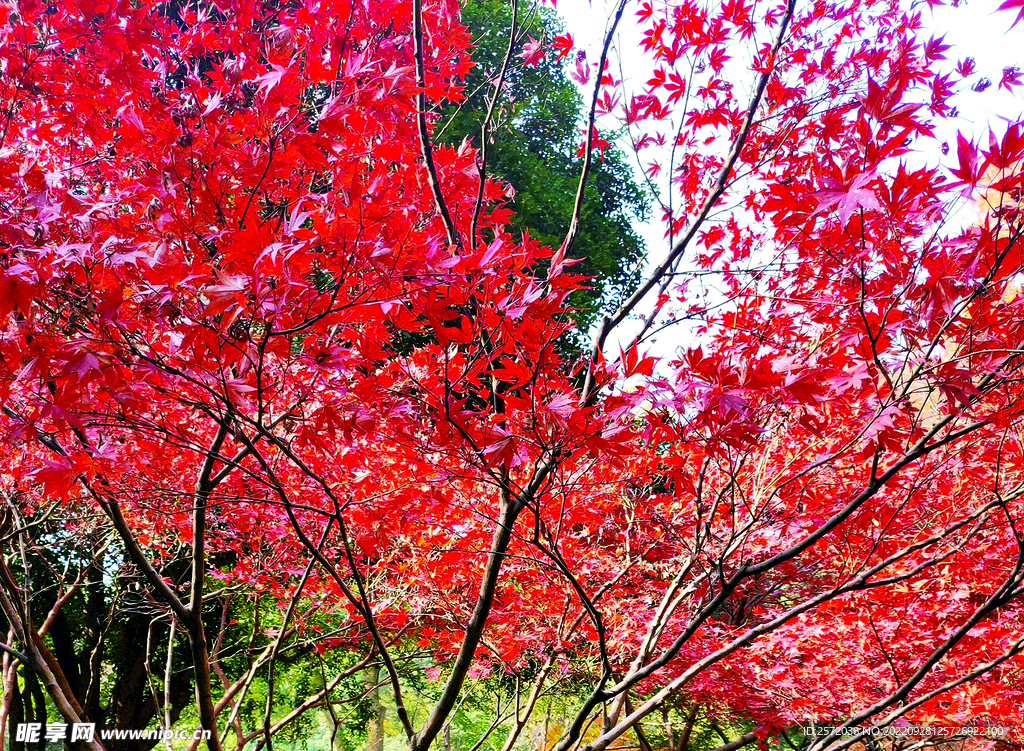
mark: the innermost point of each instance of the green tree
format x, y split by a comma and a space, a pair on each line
535, 138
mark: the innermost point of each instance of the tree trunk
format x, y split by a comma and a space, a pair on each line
16, 713
38, 711
7, 683
375, 728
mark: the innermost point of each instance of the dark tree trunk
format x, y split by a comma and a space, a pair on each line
15, 718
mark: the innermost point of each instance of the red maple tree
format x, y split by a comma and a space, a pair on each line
260, 332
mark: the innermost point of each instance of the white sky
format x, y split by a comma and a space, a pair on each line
974, 29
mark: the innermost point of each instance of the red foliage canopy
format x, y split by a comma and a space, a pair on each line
249, 315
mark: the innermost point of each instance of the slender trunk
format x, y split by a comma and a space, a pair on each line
6, 688
204, 697
38, 712
168, 668
474, 629
375, 728
684, 740
196, 630
522, 718
96, 614
17, 711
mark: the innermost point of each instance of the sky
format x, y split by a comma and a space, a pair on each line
974, 28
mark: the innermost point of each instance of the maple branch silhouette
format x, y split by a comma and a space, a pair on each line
421, 124
485, 126
665, 267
